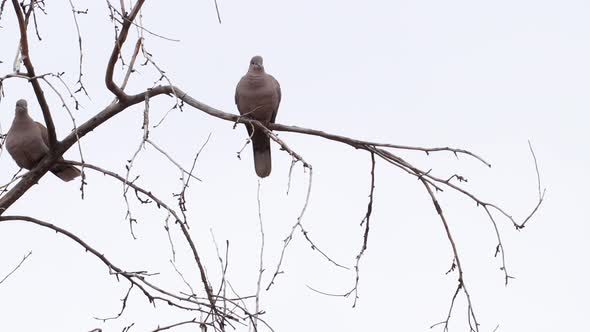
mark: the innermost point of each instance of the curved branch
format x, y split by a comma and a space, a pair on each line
115, 108
461, 284
127, 275
111, 85
135, 278
179, 222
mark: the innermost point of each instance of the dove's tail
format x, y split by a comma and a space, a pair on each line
262, 160
65, 172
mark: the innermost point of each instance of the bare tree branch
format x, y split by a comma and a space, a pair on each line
137, 279
16, 267
81, 58
218, 311
114, 88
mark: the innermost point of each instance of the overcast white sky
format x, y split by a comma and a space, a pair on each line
486, 76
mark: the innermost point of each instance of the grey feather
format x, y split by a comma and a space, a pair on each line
258, 96
27, 142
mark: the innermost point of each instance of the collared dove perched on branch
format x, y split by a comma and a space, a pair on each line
27, 142
258, 95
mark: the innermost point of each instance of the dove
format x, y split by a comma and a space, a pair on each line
258, 96
27, 142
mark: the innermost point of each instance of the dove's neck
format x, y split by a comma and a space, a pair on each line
22, 116
256, 79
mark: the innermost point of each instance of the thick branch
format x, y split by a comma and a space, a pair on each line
113, 109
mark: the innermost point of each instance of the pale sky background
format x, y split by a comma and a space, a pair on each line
485, 76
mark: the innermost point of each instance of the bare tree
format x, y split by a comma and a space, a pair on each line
220, 307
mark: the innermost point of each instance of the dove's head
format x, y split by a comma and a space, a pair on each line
256, 63
21, 107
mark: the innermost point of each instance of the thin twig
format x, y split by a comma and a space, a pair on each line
261, 259
217, 10
80, 74
366, 220
16, 267
123, 306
